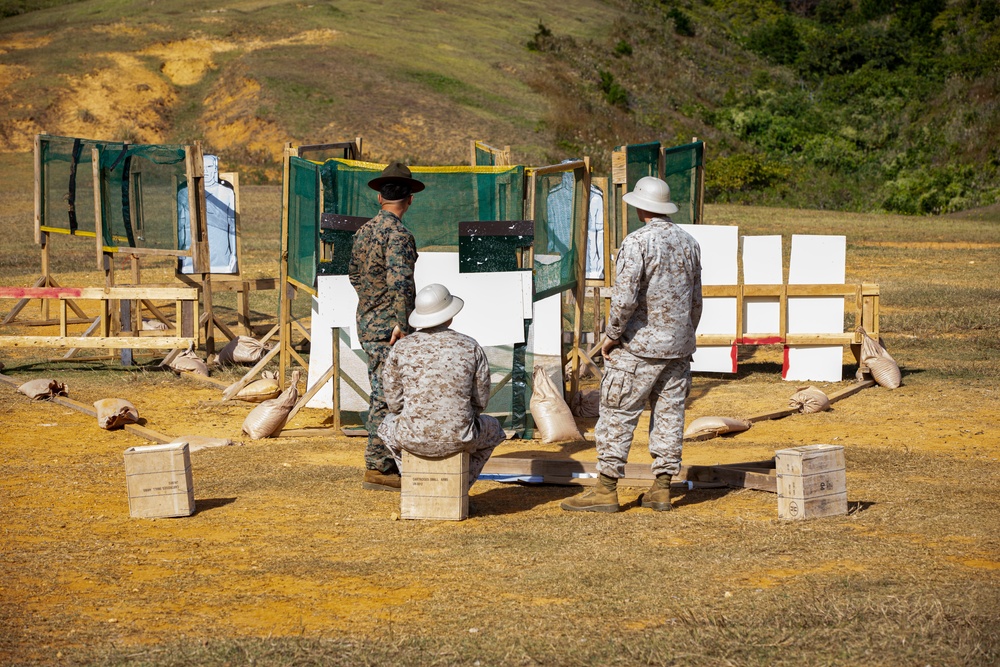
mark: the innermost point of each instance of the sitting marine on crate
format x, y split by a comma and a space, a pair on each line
437, 383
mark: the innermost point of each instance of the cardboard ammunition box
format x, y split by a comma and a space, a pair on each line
435, 488
159, 481
811, 481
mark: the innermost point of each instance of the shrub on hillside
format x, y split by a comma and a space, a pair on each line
777, 41
741, 173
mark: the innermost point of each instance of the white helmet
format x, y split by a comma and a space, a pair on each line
651, 194
434, 305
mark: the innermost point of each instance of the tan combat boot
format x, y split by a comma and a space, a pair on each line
600, 498
378, 481
658, 495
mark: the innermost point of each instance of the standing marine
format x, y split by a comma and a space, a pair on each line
656, 305
381, 272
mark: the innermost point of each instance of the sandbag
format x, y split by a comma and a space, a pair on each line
43, 388
553, 418
269, 417
242, 350
199, 442
881, 365
263, 389
155, 325
809, 399
586, 404
115, 412
189, 361
715, 426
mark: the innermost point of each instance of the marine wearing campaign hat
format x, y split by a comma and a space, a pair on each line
381, 271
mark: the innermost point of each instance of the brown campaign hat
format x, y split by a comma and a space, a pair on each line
396, 172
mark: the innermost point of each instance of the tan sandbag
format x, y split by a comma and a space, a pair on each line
715, 426
43, 388
553, 418
115, 412
189, 361
586, 403
155, 325
199, 442
258, 391
242, 350
809, 399
881, 365
269, 417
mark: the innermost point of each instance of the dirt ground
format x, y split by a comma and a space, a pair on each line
285, 543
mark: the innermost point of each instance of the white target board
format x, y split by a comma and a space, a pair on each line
496, 305
762, 265
719, 247
816, 260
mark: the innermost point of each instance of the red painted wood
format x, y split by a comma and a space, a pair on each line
39, 292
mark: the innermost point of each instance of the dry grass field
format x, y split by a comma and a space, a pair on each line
289, 562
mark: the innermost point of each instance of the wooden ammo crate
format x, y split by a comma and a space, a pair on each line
435, 488
159, 480
812, 481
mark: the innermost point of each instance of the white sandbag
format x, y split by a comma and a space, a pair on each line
553, 418
189, 361
242, 350
269, 417
715, 426
809, 399
155, 325
115, 412
881, 365
199, 442
43, 388
586, 403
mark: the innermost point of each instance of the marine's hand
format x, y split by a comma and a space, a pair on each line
397, 333
607, 345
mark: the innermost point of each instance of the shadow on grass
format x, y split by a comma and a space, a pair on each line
515, 498
206, 504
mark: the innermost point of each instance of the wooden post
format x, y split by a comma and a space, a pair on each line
284, 316
579, 292
335, 357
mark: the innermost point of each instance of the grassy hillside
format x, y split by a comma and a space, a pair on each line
844, 104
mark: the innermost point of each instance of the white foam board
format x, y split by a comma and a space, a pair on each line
719, 247
494, 302
816, 260
762, 265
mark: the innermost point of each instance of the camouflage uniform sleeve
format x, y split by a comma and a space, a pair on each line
625, 295
392, 385
696, 301
353, 270
481, 385
401, 256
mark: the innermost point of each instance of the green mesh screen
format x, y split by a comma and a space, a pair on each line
67, 183
140, 186
641, 160
303, 220
451, 195
680, 170
558, 212
484, 157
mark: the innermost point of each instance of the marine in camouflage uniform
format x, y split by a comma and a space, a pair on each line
437, 384
656, 305
381, 271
